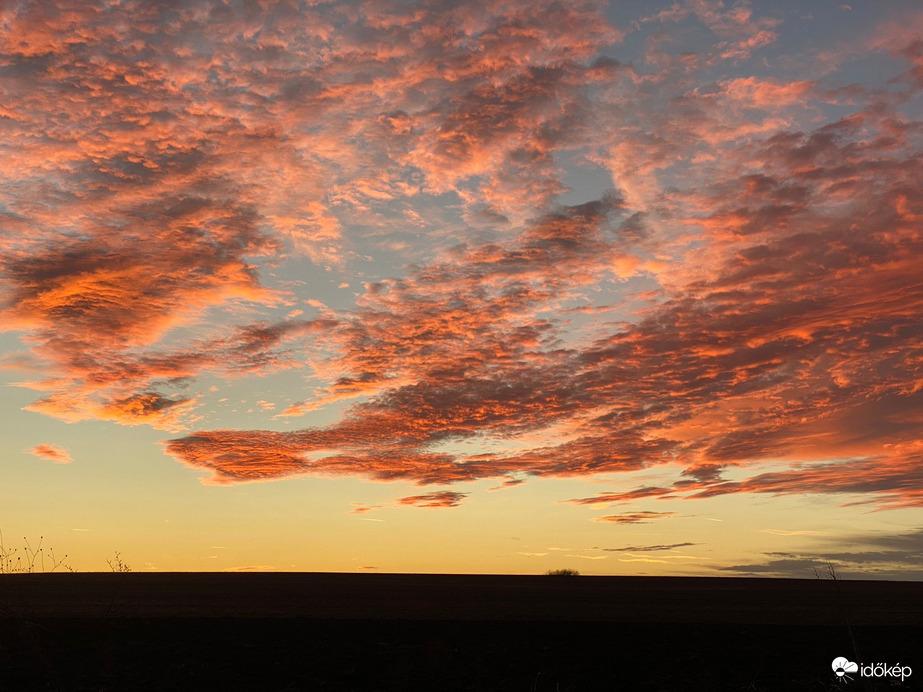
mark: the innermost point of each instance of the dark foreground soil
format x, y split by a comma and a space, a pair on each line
448, 632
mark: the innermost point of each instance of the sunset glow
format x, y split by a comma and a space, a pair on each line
495, 286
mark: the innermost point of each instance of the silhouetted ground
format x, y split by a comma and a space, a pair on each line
449, 632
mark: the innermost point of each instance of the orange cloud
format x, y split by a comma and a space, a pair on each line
359, 508
598, 499
759, 265
180, 156
444, 498
765, 346
762, 93
54, 453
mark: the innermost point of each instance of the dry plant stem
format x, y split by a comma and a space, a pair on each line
9, 563
117, 565
833, 576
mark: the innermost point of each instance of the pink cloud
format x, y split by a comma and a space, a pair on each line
763, 93
741, 31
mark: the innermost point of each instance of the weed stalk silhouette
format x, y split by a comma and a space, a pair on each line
829, 573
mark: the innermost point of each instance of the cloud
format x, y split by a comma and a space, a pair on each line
648, 548
460, 331
763, 344
764, 93
435, 500
183, 153
54, 453
507, 484
741, 30
251, 568
599, 499
857, 556
138, 215
359, 508
635, 517
901, 38
742, 291
889, 480
123, 386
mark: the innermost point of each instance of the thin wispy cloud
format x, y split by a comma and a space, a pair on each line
634, 517
865, 556
649, 548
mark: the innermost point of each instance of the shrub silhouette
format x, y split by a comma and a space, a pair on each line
563, 573
117, 565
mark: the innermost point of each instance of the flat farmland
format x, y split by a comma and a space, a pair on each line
279, 631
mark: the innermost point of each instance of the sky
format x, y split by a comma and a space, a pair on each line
464, 287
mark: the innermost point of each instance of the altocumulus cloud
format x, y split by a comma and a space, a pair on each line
762, 341
201, 146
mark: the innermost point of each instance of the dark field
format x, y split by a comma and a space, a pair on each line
450, 632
